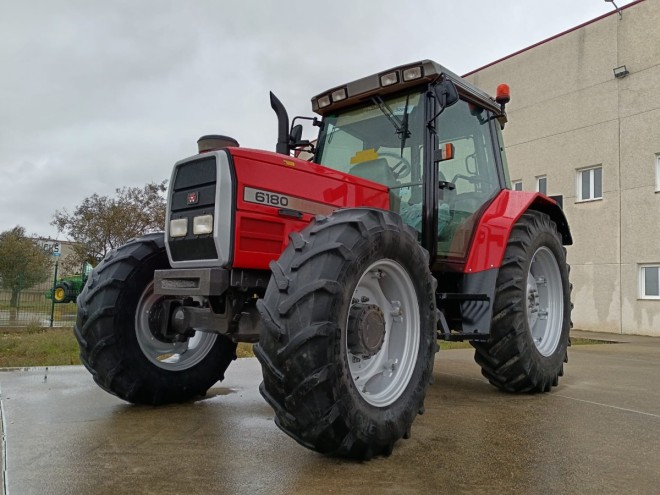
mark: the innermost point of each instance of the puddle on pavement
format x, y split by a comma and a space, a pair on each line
215, 391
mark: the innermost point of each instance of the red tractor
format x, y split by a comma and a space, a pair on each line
345, 269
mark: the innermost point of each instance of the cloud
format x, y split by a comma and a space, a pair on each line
99, 95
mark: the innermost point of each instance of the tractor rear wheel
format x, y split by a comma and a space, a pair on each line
529, 335
348, 336
122, 347
62, 293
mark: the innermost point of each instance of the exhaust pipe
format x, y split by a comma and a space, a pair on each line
282, 146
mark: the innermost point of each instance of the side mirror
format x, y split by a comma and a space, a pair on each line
446, 93
295, 137
296, 134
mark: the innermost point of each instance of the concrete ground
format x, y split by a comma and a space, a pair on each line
598, 432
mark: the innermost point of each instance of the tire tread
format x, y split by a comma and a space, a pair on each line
506, 358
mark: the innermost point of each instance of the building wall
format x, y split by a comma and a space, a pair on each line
569, 112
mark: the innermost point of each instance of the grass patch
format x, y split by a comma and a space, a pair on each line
244, 350
37, 346
576, 341
41, 306
466, 345
446, 346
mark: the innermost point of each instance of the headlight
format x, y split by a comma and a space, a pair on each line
324, 101
178, 227
338, 95
412, 73
203, 224
389, 79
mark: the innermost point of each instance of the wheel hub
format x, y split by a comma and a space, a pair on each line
533, 301
366, 330
178, 353
157, 320
545, 308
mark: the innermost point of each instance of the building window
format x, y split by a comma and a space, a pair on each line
590, 184
657, 172
542, 184
516, 185
649, 281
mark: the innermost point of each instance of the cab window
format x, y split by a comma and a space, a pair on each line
470, 176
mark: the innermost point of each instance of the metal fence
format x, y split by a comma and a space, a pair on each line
22, 306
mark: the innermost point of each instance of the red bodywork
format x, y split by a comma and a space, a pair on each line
494, 228
261, 232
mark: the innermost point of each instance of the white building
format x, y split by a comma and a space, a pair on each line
584, 122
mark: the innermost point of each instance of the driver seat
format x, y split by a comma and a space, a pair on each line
377, 170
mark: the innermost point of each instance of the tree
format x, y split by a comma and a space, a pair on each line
23, 264
101, 223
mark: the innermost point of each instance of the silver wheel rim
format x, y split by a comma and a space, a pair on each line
383, 377
176, 356
545, 302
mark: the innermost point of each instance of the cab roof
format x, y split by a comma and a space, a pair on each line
406, 76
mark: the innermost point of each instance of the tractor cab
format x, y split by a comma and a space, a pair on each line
430, 137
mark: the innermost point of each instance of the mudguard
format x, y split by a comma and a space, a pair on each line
494, 227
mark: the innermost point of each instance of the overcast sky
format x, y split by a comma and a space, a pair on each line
96, 95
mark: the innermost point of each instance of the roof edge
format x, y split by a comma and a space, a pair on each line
551, 38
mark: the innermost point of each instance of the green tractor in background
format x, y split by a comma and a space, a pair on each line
66, 289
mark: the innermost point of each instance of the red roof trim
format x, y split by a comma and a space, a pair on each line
552, 38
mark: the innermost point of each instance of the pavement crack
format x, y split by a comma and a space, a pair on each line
607, 405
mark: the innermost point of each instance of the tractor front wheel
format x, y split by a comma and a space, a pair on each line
529, 335
121, 345
348, 337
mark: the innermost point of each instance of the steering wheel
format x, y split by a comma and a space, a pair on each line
401, 168
472, 180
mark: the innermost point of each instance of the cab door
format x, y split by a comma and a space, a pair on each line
466, 182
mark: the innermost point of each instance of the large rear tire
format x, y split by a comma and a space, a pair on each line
63, 293
117, 344
60, 294
348, 336
529, 335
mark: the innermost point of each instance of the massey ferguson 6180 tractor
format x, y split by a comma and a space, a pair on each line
346, 269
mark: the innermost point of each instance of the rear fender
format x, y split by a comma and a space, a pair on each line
495, 225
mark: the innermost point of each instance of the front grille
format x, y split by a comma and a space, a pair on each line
195, 173
193, 194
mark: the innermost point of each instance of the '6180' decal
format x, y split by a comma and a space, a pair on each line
276, 200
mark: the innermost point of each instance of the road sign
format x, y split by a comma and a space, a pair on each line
53, 248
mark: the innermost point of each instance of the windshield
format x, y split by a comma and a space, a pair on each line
376, 130
381, 140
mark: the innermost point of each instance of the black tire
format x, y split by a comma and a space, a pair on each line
303, 347
107, 331
511, 359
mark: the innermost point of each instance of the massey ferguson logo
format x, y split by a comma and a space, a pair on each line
193, 198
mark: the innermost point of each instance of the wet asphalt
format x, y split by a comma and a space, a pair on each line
598, 432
